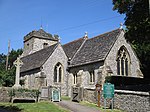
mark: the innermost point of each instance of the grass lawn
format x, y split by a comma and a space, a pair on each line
33, 107
65, 98
101, 109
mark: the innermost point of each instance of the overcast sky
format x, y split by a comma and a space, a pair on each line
70, 19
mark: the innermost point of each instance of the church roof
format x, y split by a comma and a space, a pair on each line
72, 47
37, 59
40, 34
95, 49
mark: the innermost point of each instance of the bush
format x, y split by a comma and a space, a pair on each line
123, 80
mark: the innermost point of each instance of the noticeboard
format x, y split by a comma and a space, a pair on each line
55, 94
108, 90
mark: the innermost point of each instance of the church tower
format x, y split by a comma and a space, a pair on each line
37, 40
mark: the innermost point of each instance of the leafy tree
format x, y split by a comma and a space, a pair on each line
137, 22
7, 78
2, 61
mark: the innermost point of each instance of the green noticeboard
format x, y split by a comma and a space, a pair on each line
55, 94
108, 90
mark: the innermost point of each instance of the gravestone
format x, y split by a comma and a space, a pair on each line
44, 92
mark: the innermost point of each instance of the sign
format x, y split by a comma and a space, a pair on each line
55, 94
98, 87
108, 90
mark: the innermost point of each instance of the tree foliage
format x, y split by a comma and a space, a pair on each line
7, 77
137, 22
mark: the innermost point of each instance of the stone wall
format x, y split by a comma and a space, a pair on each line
90, 95
38, 43
35, 44
83, 76
8, 94
130, 101
134, 70
58, 56
4, 94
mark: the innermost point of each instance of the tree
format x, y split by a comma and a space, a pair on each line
137, 23
7, 78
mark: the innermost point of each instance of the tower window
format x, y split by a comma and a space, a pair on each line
45, 45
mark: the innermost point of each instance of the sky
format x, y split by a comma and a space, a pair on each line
69, 19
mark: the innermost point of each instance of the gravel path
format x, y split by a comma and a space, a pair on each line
76, 107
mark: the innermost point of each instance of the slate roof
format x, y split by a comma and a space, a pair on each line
37, 59
95, 49
40, 34
72, 47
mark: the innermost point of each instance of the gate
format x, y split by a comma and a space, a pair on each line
77, 94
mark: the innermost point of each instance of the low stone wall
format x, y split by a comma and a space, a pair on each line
8, 94
130, 101
4, 94
90, 95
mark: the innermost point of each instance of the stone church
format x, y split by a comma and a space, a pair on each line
83, 62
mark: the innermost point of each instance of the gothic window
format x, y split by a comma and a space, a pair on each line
58, 72
55, 74
123, 62
118, 66
75, 79
92, 77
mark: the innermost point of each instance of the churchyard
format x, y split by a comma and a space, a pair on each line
46, 106
116, 99
31, 107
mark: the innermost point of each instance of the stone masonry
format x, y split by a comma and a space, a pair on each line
57, 56
112, 56
130, 101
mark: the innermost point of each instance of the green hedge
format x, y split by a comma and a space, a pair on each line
122, 80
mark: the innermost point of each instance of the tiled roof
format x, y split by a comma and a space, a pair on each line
40, 34
37, 59
72, 47
95, 49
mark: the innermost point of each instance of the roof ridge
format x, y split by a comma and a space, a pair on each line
79, 49
95, 49
74, 41
103, 33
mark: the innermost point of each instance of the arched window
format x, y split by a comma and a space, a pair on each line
75, 79
58, 72
92, 76
123, 62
